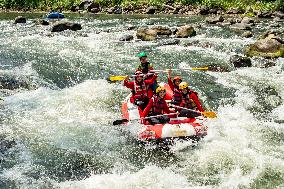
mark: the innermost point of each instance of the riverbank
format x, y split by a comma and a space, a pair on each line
187, 7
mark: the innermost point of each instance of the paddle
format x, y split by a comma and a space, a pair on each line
196, 68
122, 77
205, 114
121, 121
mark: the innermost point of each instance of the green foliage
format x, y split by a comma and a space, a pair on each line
225, 4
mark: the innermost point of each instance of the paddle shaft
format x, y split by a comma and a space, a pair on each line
159, 115
206, 114
197, 68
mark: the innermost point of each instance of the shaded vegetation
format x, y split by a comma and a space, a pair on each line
67, 4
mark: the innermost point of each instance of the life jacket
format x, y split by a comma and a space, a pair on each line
158, 106
140, 91
145, 68
177, 96
189, 103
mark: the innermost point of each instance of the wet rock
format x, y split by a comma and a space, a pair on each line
265, 63
110, 10
274, 25
169, 42
146, 34
74, 8
94, 10
117, 10
248, 21
131, 27
63, 25
185, 31
126, 38
114, 10
20, 19
213, 11
235, 11
151, 10
269, 47
89, 5
203, 10
44, 22
231, 20
6, 143
214, 20
247, 34
10, 83
268, 33
162, 30
264, 14
240, 61
93, 7
278, 14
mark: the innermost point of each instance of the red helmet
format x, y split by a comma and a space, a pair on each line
177, 78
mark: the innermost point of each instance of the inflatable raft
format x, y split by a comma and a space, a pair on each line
177, 128
55, 15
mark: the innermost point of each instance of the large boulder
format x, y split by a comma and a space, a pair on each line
151, 10
240, 61
63, 25
146, 34
162, 30
248, 21
185, 31
89, 5
269, 47
247, 34
20, 19
214, 20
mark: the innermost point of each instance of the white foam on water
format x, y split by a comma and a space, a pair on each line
150, 177
57, 115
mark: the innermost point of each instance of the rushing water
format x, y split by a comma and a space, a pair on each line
59, 126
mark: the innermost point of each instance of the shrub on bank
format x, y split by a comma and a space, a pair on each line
263, 5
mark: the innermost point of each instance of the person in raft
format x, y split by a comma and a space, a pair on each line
190, 101
140, 92
174, 85
157, 106
146, 68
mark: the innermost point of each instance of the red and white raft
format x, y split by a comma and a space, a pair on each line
177, 128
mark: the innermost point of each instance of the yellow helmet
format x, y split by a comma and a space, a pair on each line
160, 88
183, 85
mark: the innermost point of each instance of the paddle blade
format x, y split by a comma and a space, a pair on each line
200, 68
120, 121
209, 114
117, 77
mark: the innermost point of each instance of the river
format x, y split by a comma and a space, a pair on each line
60, 124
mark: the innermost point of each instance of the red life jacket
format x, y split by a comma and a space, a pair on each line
189, 103
177, 96
158, 106
140, 91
